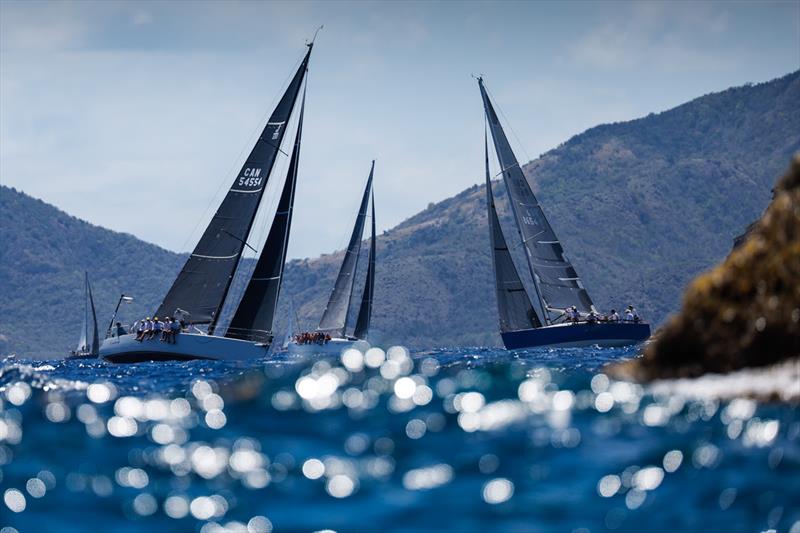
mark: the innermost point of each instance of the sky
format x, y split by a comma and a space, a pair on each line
136, 116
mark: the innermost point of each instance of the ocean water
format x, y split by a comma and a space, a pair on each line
446, 440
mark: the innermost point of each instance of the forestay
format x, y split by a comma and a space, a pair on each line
334, 319
254, 315
554, 276
203, 283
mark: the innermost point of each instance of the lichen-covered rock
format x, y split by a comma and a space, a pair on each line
743, 313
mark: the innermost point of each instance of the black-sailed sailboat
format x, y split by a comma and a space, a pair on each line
89, 342
197, 296
333, 332
543, 320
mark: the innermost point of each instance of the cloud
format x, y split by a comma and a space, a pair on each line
666, 36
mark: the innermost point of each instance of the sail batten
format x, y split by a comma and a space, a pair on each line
202, 285
334, 319
555, 280
255, 313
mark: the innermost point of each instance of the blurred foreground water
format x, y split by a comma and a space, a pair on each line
459, 440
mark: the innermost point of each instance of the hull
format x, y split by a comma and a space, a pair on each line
577, 335
73, 357
334, 347
187, 346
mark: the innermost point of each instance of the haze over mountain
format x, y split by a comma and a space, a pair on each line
640, 206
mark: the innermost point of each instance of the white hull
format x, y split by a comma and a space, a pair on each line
333, 347
187, 346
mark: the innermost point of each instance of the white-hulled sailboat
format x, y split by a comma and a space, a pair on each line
335, 318
198, 294
89, 342
558, 288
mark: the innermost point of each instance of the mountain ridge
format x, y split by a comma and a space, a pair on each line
641, 207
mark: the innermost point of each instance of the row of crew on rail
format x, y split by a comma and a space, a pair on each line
166, 331
312, 337
573, 315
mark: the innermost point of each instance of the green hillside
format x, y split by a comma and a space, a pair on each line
43, 254
640, 206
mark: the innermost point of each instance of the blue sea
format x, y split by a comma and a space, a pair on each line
395, 440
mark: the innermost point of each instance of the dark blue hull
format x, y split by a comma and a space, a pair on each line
575, 335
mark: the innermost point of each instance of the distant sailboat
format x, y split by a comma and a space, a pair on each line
201, 289
334, 320
542, 321
89, 342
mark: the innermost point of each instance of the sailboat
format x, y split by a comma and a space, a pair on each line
89, 342
527, 322
334, 322
197, 296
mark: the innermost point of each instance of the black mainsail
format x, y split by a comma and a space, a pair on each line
89, 342
203, 283
555, 279
334, 319
256, 311
365, 309
513, 304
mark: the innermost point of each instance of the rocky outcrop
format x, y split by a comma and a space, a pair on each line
743, 313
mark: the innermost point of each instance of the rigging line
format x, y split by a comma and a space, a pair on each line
249, 142
519, 142
240, 240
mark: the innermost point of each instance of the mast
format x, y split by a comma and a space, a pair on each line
334, 319
557, 284
365, 309
514, 307
203, 283
256, 311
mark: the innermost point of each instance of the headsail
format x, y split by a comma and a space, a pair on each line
334, 319
256, 310
203, 283
555, 278
365, 309
513, 304
89, 342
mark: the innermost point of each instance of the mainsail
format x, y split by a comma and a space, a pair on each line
256, 310
513, 304
556, 281
203, 283
334, 319
89, 343
365, 309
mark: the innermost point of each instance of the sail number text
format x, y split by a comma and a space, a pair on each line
251, 177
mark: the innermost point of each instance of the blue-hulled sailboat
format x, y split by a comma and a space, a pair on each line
527, 322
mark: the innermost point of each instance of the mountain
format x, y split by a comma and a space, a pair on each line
640, 206
43, 254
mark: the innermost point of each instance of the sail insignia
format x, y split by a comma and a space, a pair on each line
557, 284
202, 285
334, 319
